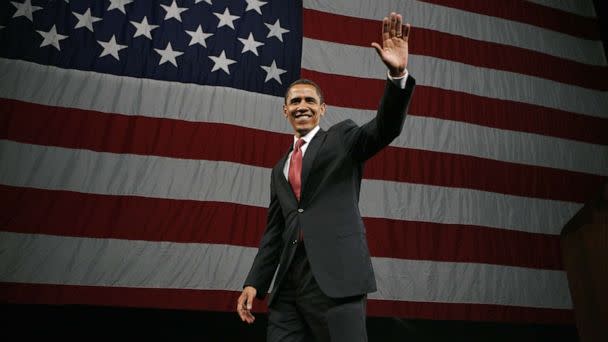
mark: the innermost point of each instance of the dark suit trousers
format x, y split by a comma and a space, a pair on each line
302, 312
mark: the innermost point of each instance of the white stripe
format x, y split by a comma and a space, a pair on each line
583, 8
441, 73
53, 86
470, 25
44, 259
428, 203
49, 85
47, 259
452, 282
54, 168
431, 134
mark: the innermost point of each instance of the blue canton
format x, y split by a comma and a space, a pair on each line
247, 44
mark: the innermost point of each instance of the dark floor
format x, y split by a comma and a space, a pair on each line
88, 322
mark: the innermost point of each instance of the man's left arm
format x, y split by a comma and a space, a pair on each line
388, 123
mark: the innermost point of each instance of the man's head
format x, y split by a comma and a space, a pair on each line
304, 106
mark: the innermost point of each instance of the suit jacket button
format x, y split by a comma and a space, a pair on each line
300, 210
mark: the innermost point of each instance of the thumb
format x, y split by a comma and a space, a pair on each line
378, 49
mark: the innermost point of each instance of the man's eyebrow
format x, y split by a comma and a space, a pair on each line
306, 98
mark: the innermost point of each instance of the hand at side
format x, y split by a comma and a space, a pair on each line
245, 304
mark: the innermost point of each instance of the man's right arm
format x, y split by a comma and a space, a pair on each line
266, 260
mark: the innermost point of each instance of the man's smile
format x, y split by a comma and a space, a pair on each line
302, 116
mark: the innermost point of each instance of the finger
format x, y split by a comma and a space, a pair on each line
385, 29
249, 318
392, 30
245, 315
378, 49
239, 306
239, 302
249, 301
399, 26
408, 28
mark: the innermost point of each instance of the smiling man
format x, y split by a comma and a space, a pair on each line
304, 106
314, 233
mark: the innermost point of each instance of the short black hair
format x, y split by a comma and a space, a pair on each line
305, 81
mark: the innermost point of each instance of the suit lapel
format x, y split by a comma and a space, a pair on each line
282, 181
310, 155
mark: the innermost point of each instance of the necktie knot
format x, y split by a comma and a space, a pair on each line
299, 144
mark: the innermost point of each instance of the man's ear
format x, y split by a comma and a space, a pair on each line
323, 108
285, 111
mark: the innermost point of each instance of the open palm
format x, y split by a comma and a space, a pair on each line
394, 49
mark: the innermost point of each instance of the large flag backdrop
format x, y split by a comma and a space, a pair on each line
137, 139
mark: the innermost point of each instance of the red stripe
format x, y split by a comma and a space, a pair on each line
458, 171
188, 299
530, 13
36, 211
223, 300
353, 92
97, 131
362, 32
76, 128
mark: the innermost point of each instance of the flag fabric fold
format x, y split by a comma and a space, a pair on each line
137, 139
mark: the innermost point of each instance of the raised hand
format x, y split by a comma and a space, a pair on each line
393, 51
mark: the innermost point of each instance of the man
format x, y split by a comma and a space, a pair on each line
314, 233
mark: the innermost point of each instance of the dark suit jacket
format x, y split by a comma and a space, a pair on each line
328, 211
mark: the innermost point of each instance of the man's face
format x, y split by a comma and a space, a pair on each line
303, 108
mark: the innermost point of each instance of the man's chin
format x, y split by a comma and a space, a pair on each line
302, 131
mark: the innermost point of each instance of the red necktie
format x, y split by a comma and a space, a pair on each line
295, 168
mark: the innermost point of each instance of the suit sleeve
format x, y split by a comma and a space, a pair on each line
365, 141
271, 245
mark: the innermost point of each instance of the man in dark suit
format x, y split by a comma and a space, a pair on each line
315, 234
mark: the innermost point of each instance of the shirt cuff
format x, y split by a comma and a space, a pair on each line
398, 81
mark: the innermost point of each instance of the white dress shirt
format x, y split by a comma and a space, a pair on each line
308, 137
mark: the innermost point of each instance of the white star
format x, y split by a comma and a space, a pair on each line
221, 62
51, 38
173, 11
119, 4
276, 30
226, 19
198, 36
168, 55
143, 28
25, 9
111, 48
250, 44
255, 5
207, 1
86, 20
272, 72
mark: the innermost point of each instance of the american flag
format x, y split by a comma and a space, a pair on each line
137, 139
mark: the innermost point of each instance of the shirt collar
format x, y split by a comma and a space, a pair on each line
308, 137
